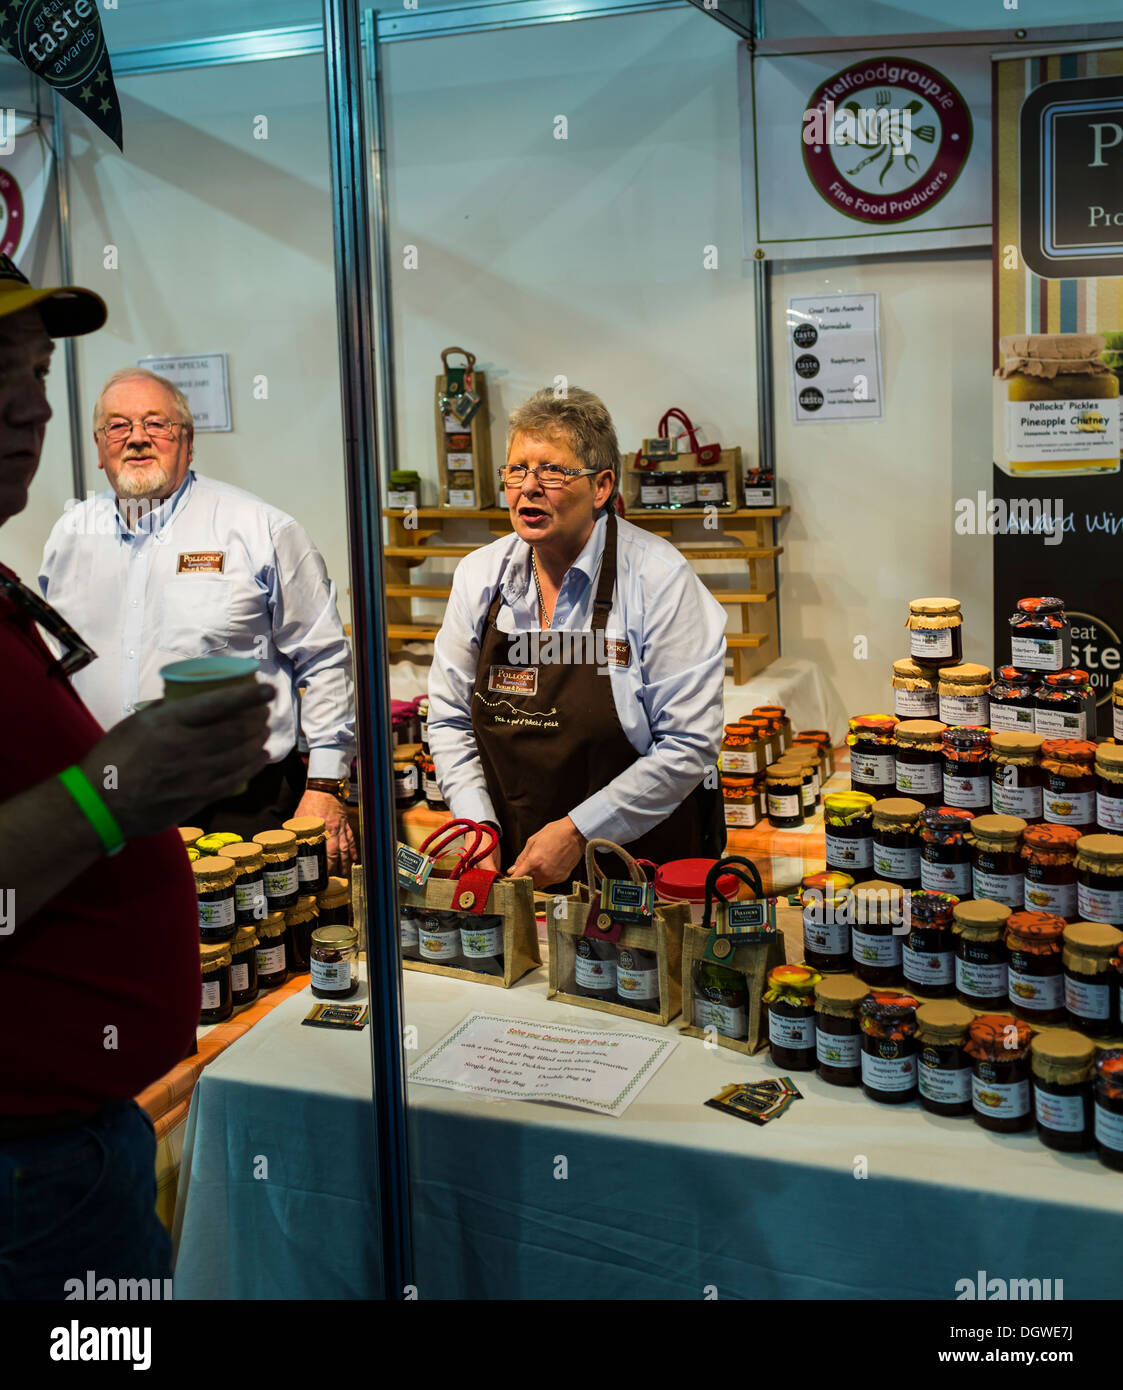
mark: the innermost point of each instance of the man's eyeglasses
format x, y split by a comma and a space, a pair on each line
76, 654
548, 474
155, 426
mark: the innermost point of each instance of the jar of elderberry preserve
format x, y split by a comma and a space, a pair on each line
1062, 1065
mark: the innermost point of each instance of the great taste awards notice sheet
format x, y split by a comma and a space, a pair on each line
834, 348
522, 1059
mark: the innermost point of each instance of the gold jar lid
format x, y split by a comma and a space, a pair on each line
1013, 747
216, 842
1093, 939
214, 957
278, 844
336, 894
943, 1021
1062, 1055
1109, 757
335, 938
303, 910
840, 995
900, 811
406, 752
918, 732
875, 898
969, 673
273, 924
307, 829
246, 856
980, 919
213, 871
935, 607
245, 938
907, 670
1103, 854
998, 832
189, 834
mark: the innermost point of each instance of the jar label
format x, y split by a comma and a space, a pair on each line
481, 941
915, 704
1109, 813
1057, 898
270, 959
945, 878
407, 927
212, 994
849, 854
896, 861
462, 497
307, 868
239, 978
217, 914
332, 975
979, 981
1002, 888
809, 797
1087, 1001
759, 496
967, 793
783, 807
948, 1086
1042, 993
279, 883
711, 492
1011, 718
636, 984
796, 1033
683, 494
405, 781
1109, 1128
738, 760
591, 973
440, 944
742, 813
1068, 808
918, 777
653, 494
730, 1022
1049, 431
964, 709
929, 642
888, 1074
1058, 723
1007, 799
876, 768
827, 938
432, 787
1063, 1113
249, 896
401, 500
838, 1049
1117, 722
875, 950
927, 967
1000, 1100
1099, 904
1037, 653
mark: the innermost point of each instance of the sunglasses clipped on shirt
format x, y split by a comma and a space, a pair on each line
76, 653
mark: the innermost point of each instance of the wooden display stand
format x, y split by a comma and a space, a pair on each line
479, 432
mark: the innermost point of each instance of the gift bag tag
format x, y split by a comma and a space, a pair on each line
628, 902
454, 380
739, 924
472, 888
464, 406
413, 868
599, 924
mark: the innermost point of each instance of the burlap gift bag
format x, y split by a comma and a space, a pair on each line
613, 929
740, 937
480, 922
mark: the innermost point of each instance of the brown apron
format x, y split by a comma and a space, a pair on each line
549, 737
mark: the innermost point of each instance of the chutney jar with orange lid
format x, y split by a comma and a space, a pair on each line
1091, 997
945, 850
982, 958
1001, 1098
779, 715
1062, 1063
767, 735
1065, 706
919, 760
1117, 711
790, 997
873, 764
928, 951
889, 1063
1037, 987
896, 840
935, 632
741, 750
1107, 1114
1015, 775
914, 690
963, 695
848, 817
838, 1029
1040, 635
966, 753
943, 1067
1068, 792
740, 799
1049, 852
997, 867
1109, 788
1099, 879
878, 921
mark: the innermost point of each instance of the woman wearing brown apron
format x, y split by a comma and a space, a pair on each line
576, 687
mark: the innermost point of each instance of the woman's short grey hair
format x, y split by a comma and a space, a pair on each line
143, 374
584, 421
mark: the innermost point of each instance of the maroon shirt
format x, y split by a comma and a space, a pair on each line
100, 990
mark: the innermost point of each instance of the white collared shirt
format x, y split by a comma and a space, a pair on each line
668, 698
210, 570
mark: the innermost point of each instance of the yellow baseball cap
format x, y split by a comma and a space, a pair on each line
68, 311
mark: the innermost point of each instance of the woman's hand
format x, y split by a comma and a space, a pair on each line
550, 853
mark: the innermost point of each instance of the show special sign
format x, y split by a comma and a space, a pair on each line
205, 380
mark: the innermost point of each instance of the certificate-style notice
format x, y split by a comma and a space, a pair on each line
834, 351
525, 1059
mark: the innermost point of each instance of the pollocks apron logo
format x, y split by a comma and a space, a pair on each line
885, 139
11, 214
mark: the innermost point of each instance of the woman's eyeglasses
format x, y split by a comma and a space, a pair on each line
548, 474
76, 654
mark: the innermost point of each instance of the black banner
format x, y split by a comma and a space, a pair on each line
62, 42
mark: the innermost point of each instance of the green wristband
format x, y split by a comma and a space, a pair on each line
93, 808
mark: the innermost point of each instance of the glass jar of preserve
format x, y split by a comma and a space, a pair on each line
1091, 992
1065, 707
721, 1000
409, 918
982, 978
243, 965
1107, 1115
838, 1032
682, 490
429, 785
1012, 701
334, 903
779, 715
935, 632
877, 924
1040, 635
214, 959
1049, 852
823, 739
1015, 775
653, 489
282, 884
301, 920
249, 882
799, 768
215, 876
1099, 879
1037, 986
888, 1047
190, 835
711, 489
216, 843
896, 840
1061, 1061
766, 735
741, 750
407, 778
826, 931
914, 691
335, 962
998, 1046
1068, 793
928, 952
945, 851
272, 969
438, 936
1117, 711
813, 888
637, 978
873, 765
594, 970
404, 491
967, 768
461, 488
997, 869
808, 756
1109, 788
919, 758
790, 997
943, 1068
963, 695
481, 942
821, 749
784, 791
740, 799
849, 831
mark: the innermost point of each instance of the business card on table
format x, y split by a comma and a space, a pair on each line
337, 1016
758, 1102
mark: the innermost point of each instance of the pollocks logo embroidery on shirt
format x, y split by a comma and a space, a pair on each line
513, 680
619, 652
200, 561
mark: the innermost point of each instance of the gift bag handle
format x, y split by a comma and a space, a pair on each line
491, 842
470, 356
676, 414
592, 871
730, 865
444, 835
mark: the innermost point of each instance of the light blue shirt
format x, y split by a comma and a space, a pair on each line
212, 570
668, 698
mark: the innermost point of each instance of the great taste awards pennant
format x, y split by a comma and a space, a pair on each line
62, 42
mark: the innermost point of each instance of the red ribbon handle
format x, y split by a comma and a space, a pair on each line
446, 834
478, 853
676, 414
